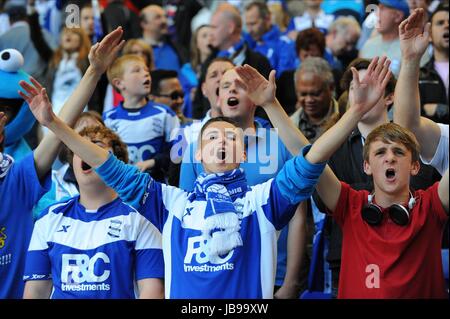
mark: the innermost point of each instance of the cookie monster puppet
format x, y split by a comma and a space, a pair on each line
20, 119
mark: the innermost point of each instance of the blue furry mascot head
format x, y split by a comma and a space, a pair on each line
20, 119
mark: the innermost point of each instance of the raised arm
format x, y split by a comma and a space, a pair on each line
414, 40
100, 56
262, 93
363, 96
90, 153
125, 179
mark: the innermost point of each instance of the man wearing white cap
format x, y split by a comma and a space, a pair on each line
390, 14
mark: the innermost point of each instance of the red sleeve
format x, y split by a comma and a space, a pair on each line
436, 204
342, 205
350, 202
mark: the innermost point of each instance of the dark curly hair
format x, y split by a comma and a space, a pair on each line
308, 37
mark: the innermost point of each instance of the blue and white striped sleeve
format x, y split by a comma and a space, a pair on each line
127, 180
298, 177
149, 255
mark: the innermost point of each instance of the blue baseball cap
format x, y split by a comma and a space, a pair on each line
401, 5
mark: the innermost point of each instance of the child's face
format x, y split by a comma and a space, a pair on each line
222, 148
84, 174
234, 101
136, 80
391, 166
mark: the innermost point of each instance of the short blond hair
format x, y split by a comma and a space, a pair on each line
392, 132
117, 68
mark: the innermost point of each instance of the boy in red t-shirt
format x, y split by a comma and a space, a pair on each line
392, 236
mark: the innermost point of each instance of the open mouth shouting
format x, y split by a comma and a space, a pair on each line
86, 167
232, 101
390, 174
221, 155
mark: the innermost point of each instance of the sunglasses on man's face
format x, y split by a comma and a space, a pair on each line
175, 95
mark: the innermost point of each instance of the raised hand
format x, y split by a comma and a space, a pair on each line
364, 94
260, 91
414, 35
103, 54
37, 98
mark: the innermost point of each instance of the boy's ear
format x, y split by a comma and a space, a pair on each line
415, 167
399, 17
117, 83
203, 89
389, 99
143, 22
244, 156
198, 155
367, 168
219, 102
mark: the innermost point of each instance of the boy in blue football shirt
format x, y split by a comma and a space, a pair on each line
143, 125
94, 246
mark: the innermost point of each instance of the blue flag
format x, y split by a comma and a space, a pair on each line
98, 30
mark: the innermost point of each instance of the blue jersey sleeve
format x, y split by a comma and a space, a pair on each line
139, 190
297, 179
149, 256
149, 264
125, 179
38, 265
